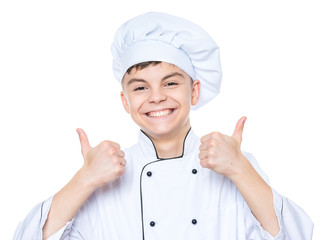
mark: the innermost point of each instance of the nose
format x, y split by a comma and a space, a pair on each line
157, 96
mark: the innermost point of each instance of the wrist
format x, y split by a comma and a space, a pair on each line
86, 183
241, 169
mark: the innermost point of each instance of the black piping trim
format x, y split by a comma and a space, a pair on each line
156, 153
141, 175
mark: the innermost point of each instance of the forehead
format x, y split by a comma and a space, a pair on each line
153, 73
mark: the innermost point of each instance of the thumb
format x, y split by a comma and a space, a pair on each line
85, 146
237, 135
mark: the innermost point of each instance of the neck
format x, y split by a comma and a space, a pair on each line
170, 147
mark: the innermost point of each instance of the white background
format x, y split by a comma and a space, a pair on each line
55, 72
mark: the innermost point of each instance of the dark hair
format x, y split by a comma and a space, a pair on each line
142, 65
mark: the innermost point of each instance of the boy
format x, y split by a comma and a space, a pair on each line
171, 184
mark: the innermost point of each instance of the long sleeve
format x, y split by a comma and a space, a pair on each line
294, 222
31, 227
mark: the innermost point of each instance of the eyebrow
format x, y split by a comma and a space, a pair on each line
133, 80
172, 75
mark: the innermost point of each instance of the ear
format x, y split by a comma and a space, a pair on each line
196, 88
125, 102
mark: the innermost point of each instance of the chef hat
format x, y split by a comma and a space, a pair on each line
157, 36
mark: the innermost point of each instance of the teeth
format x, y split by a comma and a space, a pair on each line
160, 113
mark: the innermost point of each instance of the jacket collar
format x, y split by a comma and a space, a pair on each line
148, 150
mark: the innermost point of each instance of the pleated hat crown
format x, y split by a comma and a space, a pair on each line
158, 36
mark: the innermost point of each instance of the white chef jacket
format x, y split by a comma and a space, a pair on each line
174, 199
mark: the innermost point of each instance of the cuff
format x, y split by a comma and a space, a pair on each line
61, 233
45, 207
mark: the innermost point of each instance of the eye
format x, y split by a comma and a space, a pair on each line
171, 84
139, 89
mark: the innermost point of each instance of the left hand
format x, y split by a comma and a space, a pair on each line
222, 153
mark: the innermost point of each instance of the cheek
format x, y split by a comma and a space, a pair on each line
134, 104
183, 94
188, 100
184, 100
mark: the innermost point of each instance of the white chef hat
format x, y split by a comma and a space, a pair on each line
158, 36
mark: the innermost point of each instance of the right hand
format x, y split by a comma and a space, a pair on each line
103, 163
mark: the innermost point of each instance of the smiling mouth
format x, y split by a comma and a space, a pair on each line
159, 114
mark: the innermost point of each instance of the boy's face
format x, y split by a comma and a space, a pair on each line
159, 98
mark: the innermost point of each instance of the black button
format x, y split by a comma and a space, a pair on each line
194, 171
149, 173
194, 221
152, 224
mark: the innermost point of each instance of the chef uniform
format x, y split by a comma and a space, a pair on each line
171, 198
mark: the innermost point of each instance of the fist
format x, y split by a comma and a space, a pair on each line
103, 163
222, 153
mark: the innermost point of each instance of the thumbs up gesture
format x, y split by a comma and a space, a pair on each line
103, 163
222, 153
